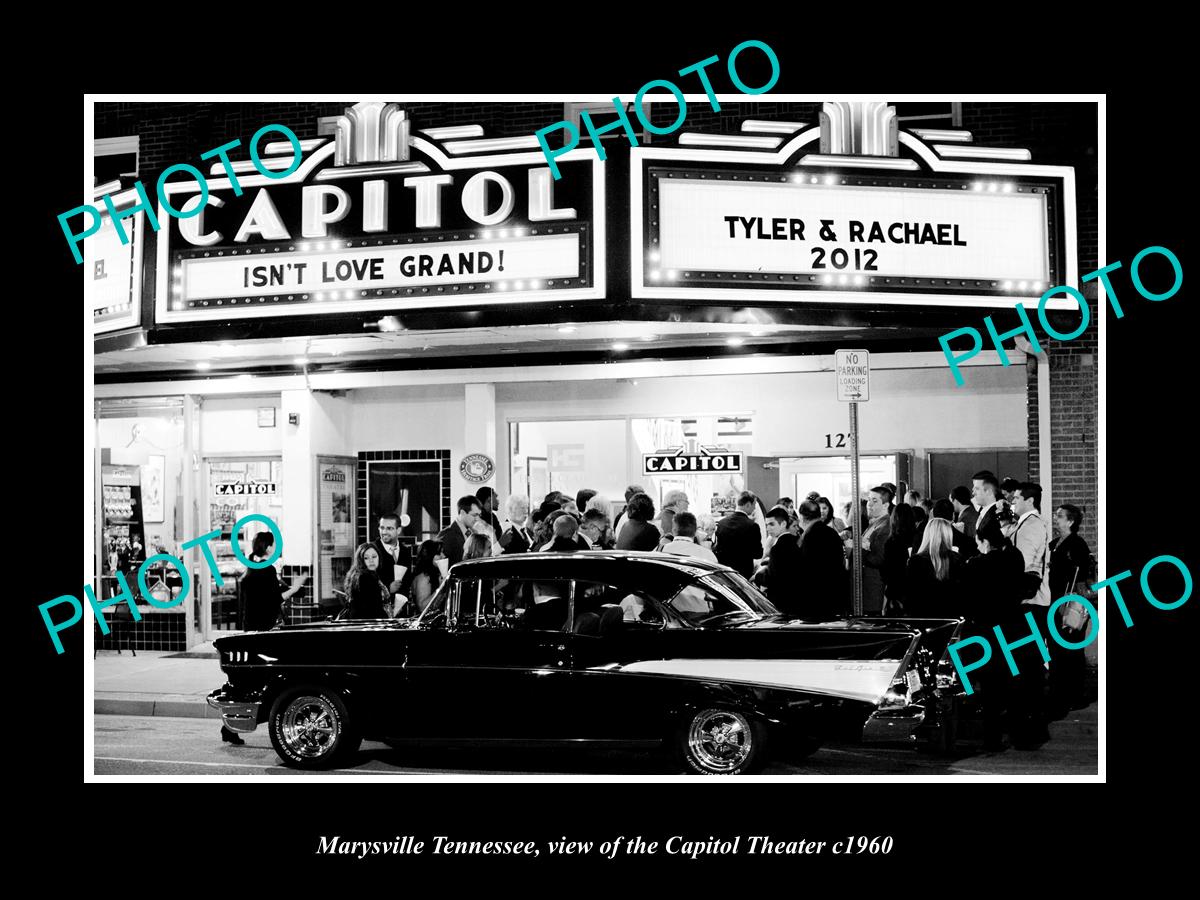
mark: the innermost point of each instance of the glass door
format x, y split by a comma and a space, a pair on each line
335, 530
235, 487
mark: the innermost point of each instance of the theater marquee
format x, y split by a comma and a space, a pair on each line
926, 229
378, 218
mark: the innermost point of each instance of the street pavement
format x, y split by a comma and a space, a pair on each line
164, 745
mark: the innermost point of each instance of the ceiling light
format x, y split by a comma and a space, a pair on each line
566, 329
735, 341
301, 360
620, 345
204, 365
648, 337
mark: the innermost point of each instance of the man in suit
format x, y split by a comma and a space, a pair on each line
985, 493
593, 531
821, 567
738, 541
517, 538
966, 516
395, 558
565, 536
783, 575
454, 536
873, 540
944, 509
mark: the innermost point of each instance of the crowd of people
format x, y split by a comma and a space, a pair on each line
984, 553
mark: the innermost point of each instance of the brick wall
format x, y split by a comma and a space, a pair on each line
1060, 134
180, 132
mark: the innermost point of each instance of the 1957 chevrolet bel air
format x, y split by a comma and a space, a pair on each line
613, 647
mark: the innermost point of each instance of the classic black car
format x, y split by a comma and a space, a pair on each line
638, 648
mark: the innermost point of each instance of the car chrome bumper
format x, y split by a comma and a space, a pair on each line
238, 715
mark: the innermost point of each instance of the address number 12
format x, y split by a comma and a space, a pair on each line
841, 440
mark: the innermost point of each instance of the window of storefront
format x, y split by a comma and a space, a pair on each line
139, 513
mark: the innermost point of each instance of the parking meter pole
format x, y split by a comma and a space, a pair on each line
855, 513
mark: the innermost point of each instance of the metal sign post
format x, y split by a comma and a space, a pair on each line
853, 371
856, 513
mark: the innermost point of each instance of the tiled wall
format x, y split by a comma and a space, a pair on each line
155, 631
302, 608
397, 455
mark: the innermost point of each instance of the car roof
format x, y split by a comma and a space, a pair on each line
582, 564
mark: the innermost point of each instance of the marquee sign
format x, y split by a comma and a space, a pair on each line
709, 459
381, 219
112, 270
926, 229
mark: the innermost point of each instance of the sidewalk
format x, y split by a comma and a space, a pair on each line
154, 684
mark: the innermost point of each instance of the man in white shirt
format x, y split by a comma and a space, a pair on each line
395, 559
1030, 537
684, 543
517, 538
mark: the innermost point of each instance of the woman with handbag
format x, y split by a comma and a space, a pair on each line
1070, 573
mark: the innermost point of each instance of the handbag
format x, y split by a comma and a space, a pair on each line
1075, 617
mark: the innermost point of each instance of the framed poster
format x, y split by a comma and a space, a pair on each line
410, 489
335, 525
153, 489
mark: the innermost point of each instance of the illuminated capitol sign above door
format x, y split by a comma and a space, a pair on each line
378, 219
792, 212
708, 459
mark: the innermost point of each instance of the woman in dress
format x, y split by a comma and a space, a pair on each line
641, 533
895, 559
935, 574
262, 593
366, 595
1070, 573
427, 578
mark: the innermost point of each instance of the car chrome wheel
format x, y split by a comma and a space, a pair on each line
310, 726
720, 741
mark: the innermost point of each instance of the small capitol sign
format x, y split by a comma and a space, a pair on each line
707, 460
476, 468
